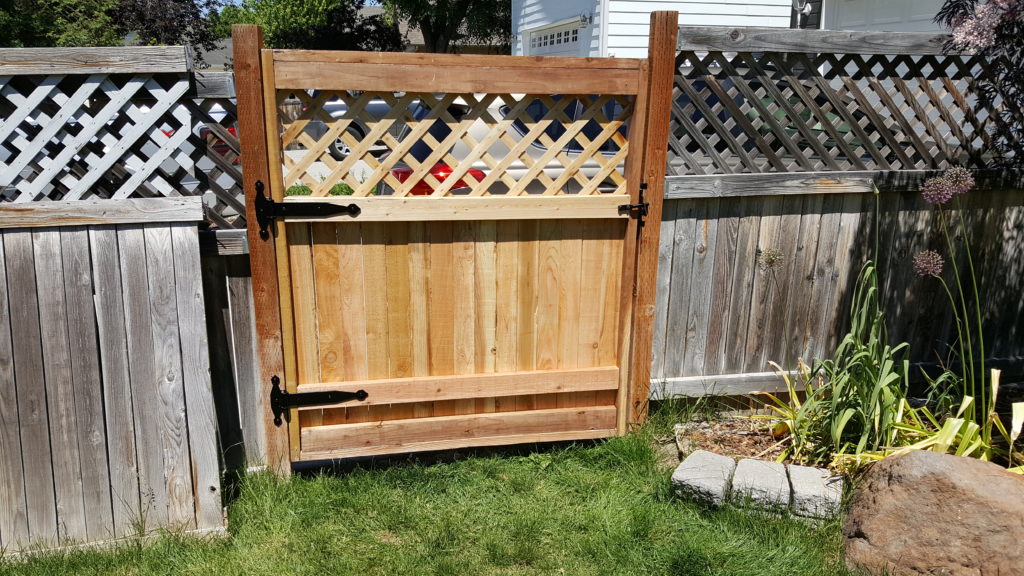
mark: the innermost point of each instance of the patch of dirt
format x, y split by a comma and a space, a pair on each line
735, 436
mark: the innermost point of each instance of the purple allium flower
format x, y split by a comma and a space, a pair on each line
928, 263
960, 180
937, 190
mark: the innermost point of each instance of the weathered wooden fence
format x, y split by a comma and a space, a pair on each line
80, 123
109, 426
779, 139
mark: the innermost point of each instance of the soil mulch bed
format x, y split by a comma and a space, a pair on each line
736, 436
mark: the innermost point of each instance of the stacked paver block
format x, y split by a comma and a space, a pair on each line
704, 476
715, 479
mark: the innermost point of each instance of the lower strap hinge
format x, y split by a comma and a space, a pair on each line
282, 400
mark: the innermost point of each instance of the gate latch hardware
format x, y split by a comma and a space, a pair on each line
639, 210
282, 400
267, 210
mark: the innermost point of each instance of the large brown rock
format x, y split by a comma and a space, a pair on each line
935, 514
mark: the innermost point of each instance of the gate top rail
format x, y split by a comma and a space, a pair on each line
106, 60
760, 39
342, 70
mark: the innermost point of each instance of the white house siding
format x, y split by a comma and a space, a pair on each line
532, 16
629, 20
889, 15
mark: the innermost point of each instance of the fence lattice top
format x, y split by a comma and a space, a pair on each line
415, 143
790, 111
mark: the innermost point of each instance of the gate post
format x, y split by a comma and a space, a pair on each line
252, 126
661, 56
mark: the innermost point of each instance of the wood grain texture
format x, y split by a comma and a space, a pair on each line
420, 208
34, 423
751, 39
661, 54
247, 43
138, 318
199, 409
86, 383
94, 60
734, 185
112, 340
96, 212
13, 506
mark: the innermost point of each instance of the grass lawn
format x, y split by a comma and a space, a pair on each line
599, 508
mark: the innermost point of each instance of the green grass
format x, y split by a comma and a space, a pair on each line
599, 508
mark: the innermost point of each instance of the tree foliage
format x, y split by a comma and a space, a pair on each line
26, 23
312, 24
995, 30
447, 24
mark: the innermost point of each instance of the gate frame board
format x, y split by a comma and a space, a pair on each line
648, 133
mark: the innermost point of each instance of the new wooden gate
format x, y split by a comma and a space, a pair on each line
450, 236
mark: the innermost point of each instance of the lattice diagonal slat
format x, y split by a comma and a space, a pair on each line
404, 144
118, 136
775, 112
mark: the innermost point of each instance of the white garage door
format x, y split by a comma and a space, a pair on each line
561, 40
889, 15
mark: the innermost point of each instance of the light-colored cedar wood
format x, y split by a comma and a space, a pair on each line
460, 443
97, 212
464, 295
343, 310
441, 61
247, 42
370, 77
441, 303
13, 512
400, 342
86, 383
661, 80
420, 208
314, 254
485, 316
722, 385
199, 409
376, 297
304, 300
753, 39
506, 271
97, 60
419, 321
380, 436
169, 386
571, 300
595, 319
527, 285
658, 351
60, 394
22, 294
430, 389
112, 343
674, 292
549, 271
276, 188
702, 270
634, 171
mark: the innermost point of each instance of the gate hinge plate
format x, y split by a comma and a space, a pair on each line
267, 210
282, 400
640, 209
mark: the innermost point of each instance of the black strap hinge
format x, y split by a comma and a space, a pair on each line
282, 400
267, 210
640, 209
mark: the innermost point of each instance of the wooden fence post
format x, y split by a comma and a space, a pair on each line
661, 56
248, 43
